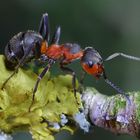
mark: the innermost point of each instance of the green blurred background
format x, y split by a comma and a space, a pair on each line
108, 25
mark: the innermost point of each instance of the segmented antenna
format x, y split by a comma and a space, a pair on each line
118, 89
123, 55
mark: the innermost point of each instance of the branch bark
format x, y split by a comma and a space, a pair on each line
113, 113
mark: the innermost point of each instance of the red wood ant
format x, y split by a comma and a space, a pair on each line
30, 45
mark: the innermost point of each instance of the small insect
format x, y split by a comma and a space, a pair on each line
30, 45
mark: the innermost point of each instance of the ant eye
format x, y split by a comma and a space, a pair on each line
90, 64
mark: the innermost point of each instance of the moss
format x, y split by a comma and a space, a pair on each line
119, 103
137, 102
53, 98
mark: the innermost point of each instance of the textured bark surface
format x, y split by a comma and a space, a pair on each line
113, 113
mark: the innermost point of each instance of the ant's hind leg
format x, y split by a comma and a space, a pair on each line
123, 55
21, 62
5, 82
44, 26
56, 36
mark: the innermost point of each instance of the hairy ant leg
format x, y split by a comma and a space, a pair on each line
21, 62
40, 76
56, 36
44, 27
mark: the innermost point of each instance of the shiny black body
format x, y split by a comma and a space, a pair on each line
26, 46
18, 46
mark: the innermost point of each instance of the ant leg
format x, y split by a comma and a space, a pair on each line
56, 36
115, 87
82, 77
40, 76
21, 62
44, 27
123, 55
68, 70
5, 82
81, 81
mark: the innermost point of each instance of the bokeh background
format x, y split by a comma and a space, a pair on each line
108, 25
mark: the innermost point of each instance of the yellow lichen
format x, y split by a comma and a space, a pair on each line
54, 97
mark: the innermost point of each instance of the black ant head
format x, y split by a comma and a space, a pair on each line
92, 62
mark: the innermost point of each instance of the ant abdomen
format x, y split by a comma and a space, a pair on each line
19, 45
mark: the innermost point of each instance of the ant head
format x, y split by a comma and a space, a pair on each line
92, 62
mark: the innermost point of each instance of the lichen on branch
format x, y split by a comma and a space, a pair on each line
54, 99
113, 113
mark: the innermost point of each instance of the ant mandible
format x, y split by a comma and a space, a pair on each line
29, 45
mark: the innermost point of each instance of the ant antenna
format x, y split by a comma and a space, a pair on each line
116, 87
123, 55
